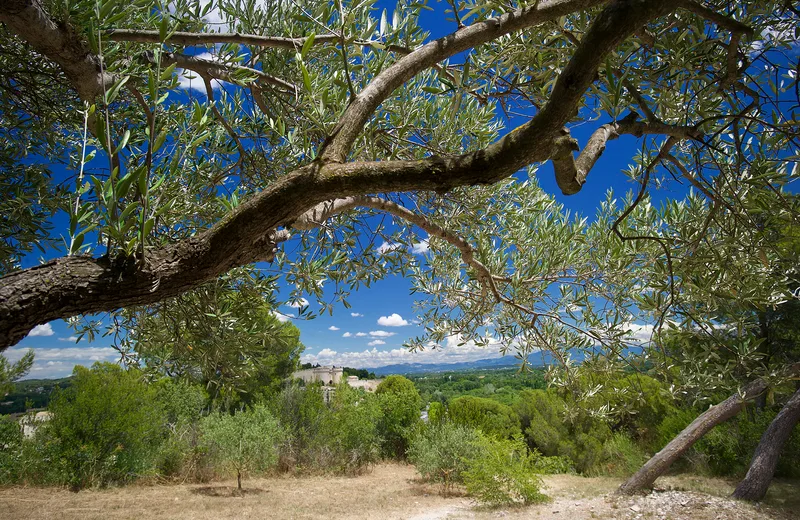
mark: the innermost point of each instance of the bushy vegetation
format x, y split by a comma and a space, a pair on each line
490, 417
440, 451
103, 427
400, 404
503, 473
243, 442
350, 438
111, 426
501, 385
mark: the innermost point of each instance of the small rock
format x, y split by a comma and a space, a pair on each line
635, 508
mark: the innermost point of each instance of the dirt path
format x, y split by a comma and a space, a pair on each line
390, 492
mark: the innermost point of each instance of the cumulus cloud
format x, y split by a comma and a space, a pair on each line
346, 335
41, 331
388, 247
376, 342
361, 334
59, 362
188, 80
380, 334
393, 320
302, 302
639, 332
420, 248
280, 317
356, 315
333, 327
450, 352
71, 339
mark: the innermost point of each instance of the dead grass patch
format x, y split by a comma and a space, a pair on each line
391, 491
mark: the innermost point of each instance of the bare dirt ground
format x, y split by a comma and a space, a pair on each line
393, 491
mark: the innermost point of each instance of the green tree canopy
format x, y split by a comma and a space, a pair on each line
223, 335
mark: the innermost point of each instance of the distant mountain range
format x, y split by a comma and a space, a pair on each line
420, 368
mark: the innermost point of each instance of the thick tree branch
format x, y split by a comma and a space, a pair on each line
222, 71
29, 20
571, 172
191, 38
656, 466
381, 87
713, 16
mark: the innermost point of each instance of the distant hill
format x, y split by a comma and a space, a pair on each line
421, 368
33, 392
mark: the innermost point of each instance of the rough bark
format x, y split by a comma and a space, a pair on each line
661, 461
29, 20
755, 484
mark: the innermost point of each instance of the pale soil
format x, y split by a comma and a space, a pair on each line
389, 492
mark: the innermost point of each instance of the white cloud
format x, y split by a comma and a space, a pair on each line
388, 247
302, 302
71, 339
41, 331
376, 342
346, 335
59, 362
356, 315
420, 248
639, 332
381, 334
361, 334
333, 327
280, 317
188, 80
450, 352
394, 320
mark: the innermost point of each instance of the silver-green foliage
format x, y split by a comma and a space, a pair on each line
503, 473
243, 442
441, 452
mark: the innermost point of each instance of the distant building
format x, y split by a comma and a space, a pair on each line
332, 376
370, 385
328, 376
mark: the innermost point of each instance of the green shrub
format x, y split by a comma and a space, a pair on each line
179, 455
503, 473
10, 450
552, 465
349, 441
556, 430
244, 442
440, 452
400, 405
542, 416
621, 457
436, 412
106, 427
490, 417
301, 412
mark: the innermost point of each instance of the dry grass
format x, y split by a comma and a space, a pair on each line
391, 491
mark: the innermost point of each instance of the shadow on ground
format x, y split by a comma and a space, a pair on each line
226, 491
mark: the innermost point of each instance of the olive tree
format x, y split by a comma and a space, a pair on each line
312, 114
207, 136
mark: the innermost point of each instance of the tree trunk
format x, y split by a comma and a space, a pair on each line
661, 461
762, 467
239, 480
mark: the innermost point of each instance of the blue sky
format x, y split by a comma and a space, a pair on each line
372, 332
